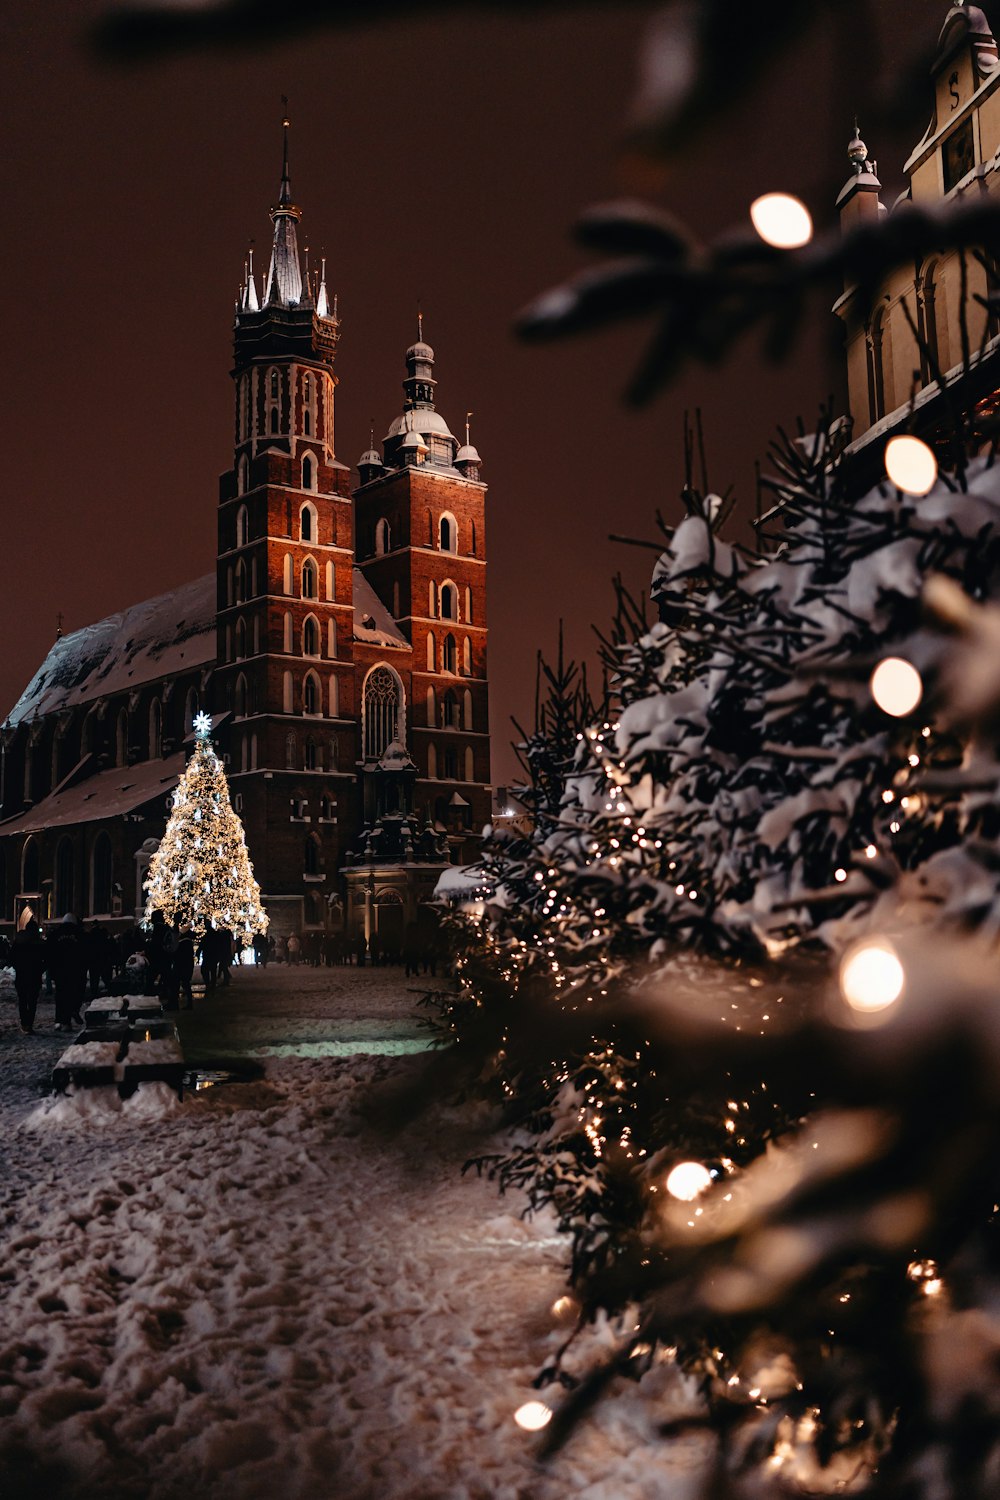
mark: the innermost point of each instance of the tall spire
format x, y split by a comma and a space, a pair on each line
322, 301
284, 276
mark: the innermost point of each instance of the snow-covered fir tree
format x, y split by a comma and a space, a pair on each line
201, 874
653, 987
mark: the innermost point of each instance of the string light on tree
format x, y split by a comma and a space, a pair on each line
201, 874
688, 1180
782, 220
533, 1416
911, 465
872, 977
896, 686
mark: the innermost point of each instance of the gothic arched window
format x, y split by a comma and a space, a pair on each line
64, 892
310, 754
449, 711
101, 874
448, 533
241, 638
431, 652
155, 730
242, 526
449, 654
307, 521
382, 711
383, 536
312, 697
310, 636
240, 696
308, 477
449, 601
240, 580
310, 583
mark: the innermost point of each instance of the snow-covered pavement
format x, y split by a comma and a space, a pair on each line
256, 1294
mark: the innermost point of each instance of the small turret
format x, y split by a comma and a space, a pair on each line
467, 460
859, 201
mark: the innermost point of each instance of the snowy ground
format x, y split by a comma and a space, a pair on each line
255, 1294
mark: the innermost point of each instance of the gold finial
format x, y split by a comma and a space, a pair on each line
468, 418
420, 324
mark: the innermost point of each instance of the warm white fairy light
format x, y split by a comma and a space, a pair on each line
911, 465
781, 220
840, 875
533, 1416
896, 686
872, 976
688, 1180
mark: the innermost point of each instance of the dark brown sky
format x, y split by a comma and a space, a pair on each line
442, 159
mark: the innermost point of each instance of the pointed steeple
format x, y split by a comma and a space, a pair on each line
419, 384
322, 301
250, 301
284, 275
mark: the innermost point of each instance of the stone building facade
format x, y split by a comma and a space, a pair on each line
340, 646
901, 342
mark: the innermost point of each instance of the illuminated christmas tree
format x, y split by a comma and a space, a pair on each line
201, 874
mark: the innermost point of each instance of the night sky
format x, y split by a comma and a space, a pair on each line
440, 160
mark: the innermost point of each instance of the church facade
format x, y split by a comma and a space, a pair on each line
935, 322
340, 645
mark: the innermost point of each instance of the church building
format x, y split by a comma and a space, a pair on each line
935, 323
339, 645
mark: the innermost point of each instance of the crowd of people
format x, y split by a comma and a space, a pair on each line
71, 961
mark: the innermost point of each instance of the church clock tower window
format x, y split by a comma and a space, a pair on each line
383, 711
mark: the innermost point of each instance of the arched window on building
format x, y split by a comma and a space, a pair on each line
431, 652
468, 605
310, 636
331, 582
470, 764
879, 351
432, 763
383, 711
64, 893
308, 409
383, 536
467, 657
467, 710
101, 876
242, 475
449, 601
288, 574
448, 533
927, 296
331, 638
241, 638
229, 584
311, 864
307, 521
432, 598
155, 730
242, 525
334, 698
312, 700
431, 708
309, 579
309, 756
121, 738
287, 633
273, 385
449, 654
240, 697
31, 875
449, 711
241, 582
286, 693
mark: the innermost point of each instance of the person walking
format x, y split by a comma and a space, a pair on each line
294, 948
68, 968
184, 967
224, 950
27, 955
208, 957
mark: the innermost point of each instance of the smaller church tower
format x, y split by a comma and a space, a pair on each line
285, 674
421, 545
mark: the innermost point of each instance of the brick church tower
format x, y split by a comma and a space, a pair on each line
285, 668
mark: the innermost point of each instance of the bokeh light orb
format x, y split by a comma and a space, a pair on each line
872, 977
911, 465
896, 686
688, 1181
533, 1416
782, 221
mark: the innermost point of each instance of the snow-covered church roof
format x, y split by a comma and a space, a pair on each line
171, 633
161, 637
